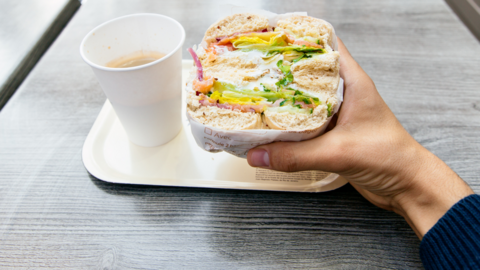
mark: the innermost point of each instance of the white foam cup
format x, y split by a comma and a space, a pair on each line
146, 98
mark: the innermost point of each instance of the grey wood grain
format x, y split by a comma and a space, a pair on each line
27, 28
53, 214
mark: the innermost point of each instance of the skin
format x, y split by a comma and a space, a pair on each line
368, 146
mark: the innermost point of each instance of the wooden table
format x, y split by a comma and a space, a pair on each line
53, 214
27, 28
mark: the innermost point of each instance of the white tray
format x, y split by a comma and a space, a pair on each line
109, 156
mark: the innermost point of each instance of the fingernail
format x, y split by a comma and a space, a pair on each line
260, 158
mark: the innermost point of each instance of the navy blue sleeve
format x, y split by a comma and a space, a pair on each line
454, 241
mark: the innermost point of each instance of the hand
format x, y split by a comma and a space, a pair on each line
370, 148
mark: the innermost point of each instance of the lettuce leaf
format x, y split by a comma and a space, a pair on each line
233, 91
230, 91
284, 68
260, 41
270, 42
292, 55
285, 80
286, 71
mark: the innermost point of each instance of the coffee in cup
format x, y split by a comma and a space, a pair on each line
135, 59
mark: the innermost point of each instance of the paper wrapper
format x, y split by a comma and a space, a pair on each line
238, 142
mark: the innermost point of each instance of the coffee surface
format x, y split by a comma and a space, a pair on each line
135, 59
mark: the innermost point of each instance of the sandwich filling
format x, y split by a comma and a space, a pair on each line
272, 85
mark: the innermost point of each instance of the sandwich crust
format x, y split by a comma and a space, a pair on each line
237, 23
303, 26
222, 118
300, 121
319, 74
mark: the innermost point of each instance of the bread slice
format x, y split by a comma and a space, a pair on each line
222, 118
320, 74
227, 119
237, 23
237, 69
299, 121
302, 26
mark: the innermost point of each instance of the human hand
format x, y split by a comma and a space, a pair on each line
369, 147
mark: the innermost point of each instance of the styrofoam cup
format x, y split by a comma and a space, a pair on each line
147, 98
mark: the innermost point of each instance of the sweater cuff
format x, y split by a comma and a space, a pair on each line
454, 241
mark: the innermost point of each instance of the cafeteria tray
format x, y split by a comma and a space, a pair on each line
109, 156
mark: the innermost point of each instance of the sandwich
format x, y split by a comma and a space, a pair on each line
254, 74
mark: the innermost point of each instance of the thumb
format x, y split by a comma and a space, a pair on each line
316, 154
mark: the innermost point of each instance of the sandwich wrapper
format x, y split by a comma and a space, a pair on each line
238, 142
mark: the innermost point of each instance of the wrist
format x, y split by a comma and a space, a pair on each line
434, 188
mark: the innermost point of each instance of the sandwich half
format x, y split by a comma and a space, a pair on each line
253, 75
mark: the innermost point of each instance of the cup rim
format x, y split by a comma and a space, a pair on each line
182, 40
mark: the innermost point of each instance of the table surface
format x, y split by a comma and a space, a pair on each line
27, 28
53, 214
